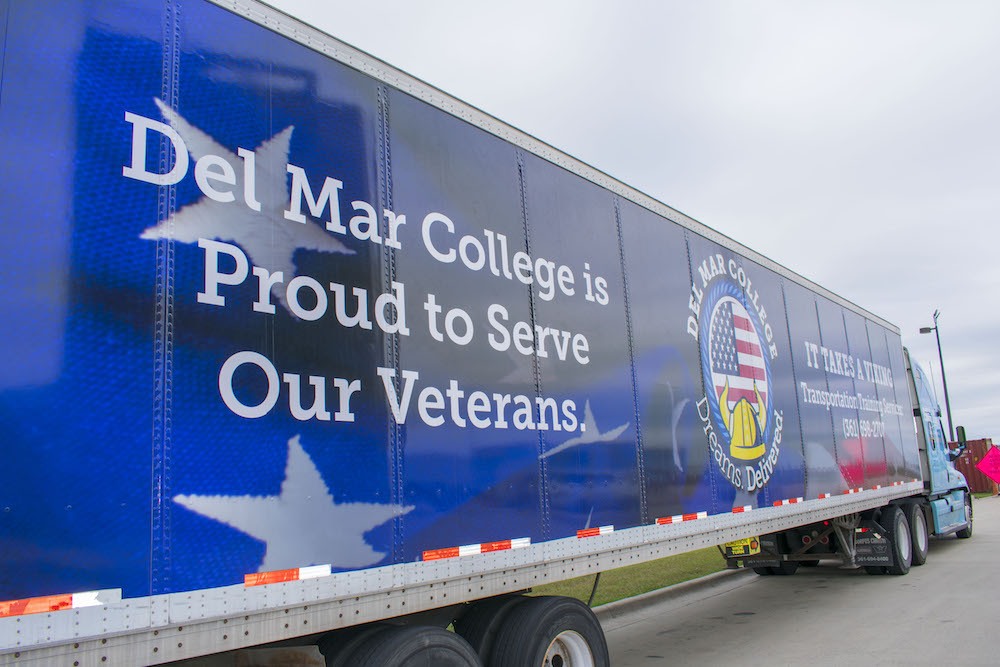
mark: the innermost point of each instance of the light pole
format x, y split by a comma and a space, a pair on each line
947, 403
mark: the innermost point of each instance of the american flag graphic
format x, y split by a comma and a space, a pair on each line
736, 353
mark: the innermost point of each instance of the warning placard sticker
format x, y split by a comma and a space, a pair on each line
745, 547
990, 464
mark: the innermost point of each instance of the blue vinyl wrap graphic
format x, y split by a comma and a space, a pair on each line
466, 343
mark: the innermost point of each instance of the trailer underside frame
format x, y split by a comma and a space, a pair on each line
164, 628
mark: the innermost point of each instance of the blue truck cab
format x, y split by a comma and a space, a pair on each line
946, 489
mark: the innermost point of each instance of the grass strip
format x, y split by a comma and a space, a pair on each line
632, 580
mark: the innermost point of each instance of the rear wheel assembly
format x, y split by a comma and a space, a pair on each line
338, 646
895, 523
550, 632
966, 532
918, 533
415, 646
786, 568
483, 621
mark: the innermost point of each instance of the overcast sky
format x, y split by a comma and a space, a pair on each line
856, 142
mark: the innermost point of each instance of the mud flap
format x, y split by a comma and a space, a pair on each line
871, 545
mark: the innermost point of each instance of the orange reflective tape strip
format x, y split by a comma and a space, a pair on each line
36, 605
261, 578
437, 554
591, 532
494, 546
677, 518
476, 549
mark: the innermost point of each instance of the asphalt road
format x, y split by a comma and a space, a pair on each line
946, 612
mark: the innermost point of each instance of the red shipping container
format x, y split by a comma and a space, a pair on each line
966, 464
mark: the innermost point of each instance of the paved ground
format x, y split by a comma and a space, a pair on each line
946, 612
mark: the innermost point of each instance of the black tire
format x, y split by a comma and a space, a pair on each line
415, 646
480, 624
966, 533
545, 627
918, 533
808, 563
787, 568
338, 646
898, 529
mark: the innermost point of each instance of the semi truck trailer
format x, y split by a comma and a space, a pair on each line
301, 353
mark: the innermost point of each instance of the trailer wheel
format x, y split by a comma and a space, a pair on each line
966, 533
551, 631
480, 625
918, 533
894, 521
787, 568
338, 646
414, 646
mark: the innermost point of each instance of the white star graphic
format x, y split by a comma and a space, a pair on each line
265, 236
589, 433
303, 525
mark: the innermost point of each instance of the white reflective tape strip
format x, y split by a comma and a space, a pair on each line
314, 571
824, 495
96, 598
520, 543
88, 599
470, 549
604, 530
702, 515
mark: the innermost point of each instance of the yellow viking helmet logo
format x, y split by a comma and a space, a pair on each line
746, 424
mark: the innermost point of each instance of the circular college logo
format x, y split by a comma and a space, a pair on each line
736, 344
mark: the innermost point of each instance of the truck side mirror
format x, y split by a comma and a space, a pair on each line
960, 434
